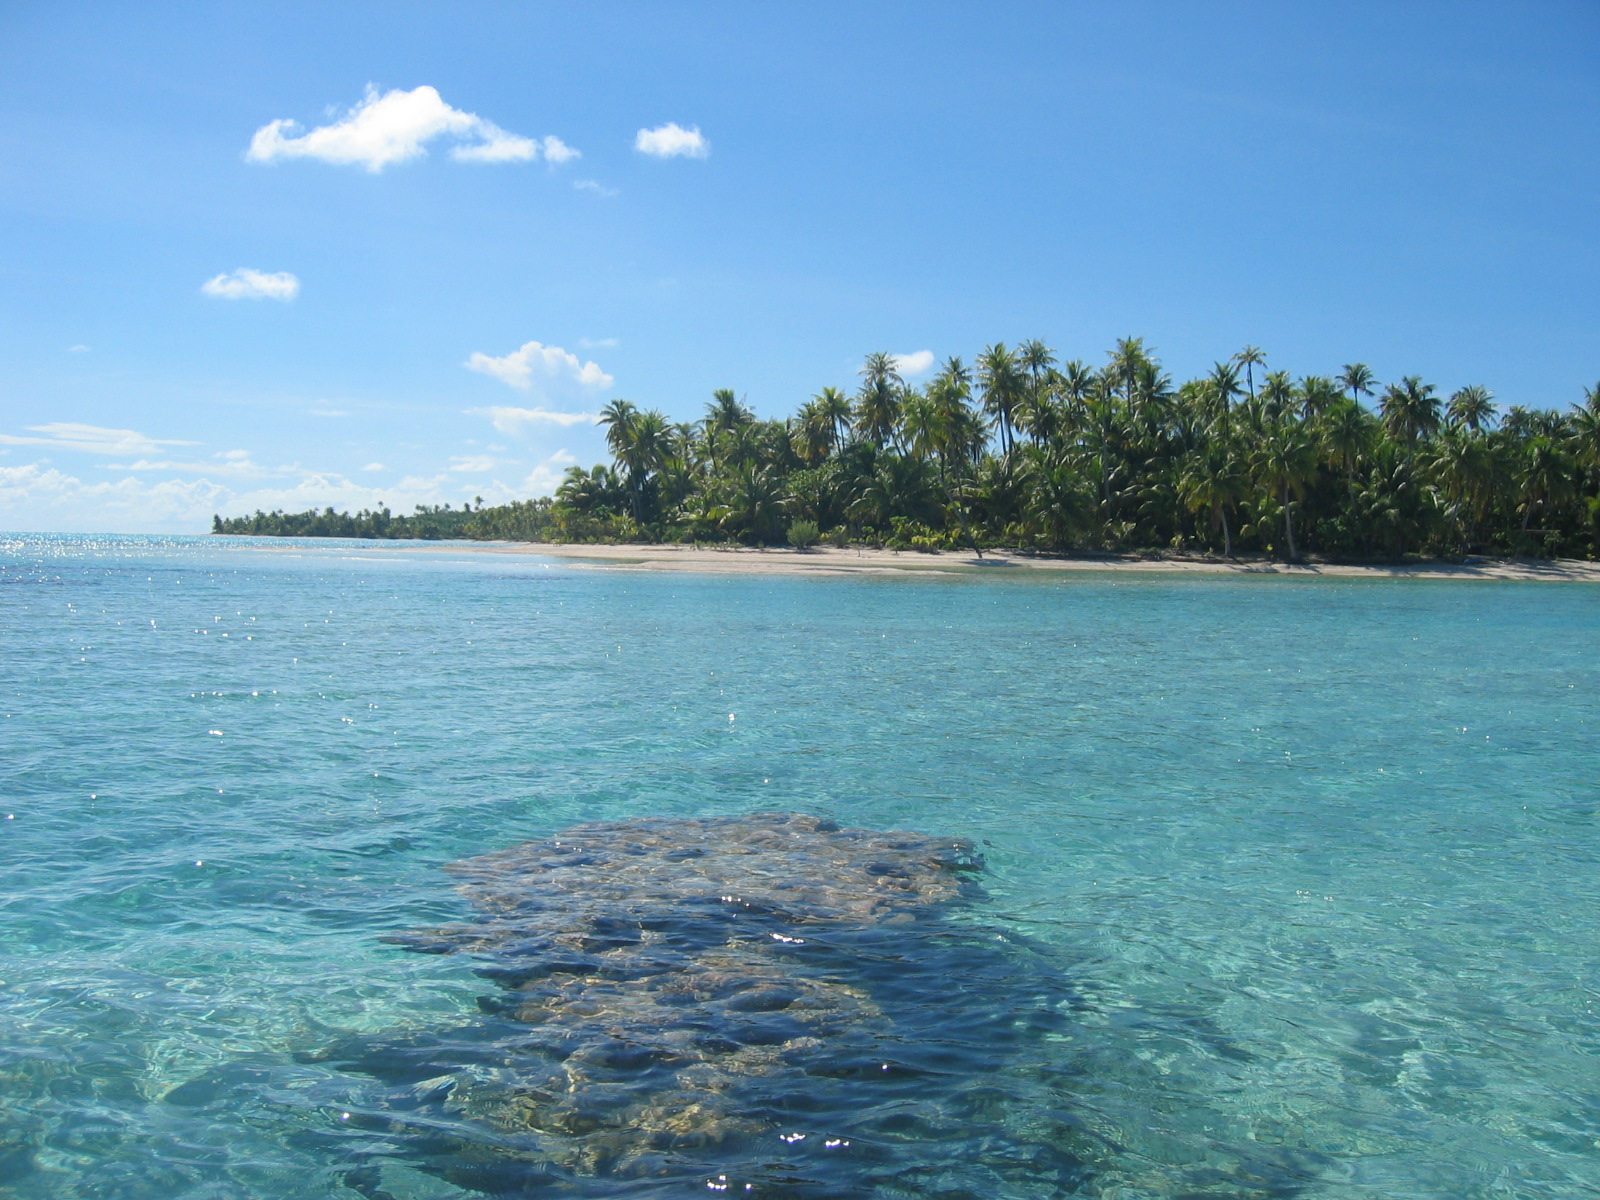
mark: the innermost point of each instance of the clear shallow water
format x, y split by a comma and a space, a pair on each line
1314, 863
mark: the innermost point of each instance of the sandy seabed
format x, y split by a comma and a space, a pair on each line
827, 560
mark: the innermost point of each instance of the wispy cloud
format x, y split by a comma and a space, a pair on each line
473, 464
534, 361
516, 421
595, 186
246, 284
235, 463
672, 141
80, 348
599, 343
396, 127
91, 439
374, 466
918, 362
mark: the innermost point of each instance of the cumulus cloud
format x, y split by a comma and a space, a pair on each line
517, 421
246, 284
546, 477
396, 127
916, 363
556, 151
672, 141
91, 439
39, 497
535, 362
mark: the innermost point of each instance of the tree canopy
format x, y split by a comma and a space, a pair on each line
1026, 451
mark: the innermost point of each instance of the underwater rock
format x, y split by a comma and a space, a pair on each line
767, 1005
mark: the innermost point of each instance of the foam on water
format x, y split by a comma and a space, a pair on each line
1290, 886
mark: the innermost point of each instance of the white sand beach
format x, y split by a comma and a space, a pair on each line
827, 560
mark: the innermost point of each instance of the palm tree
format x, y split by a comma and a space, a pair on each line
1001, 382
1212, 483
877, 413
1472, 406
834, 405
1318, 394
1409, 410
1037, 416
1285, 461
618, 417
726, 411
1250, 358
1544, 477
1222, 386
813, 433
1357, 379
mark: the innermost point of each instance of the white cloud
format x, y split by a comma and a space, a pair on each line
598, 343
498, 146
672, 141
516, 421
91, 439
396, 127
245, 284
43, 498
327, 412
473, 464
550, 364
374, 466
594, 185
80, 348
556, 151
916, 363
546, 477
236, 463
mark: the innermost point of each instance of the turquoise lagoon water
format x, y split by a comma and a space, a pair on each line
1307, 870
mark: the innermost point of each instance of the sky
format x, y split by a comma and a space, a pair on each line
290, 255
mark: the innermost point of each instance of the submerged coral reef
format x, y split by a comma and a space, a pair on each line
767, 1005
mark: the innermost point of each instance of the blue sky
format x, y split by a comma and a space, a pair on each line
1414, 186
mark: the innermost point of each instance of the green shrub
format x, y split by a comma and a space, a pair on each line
803, 534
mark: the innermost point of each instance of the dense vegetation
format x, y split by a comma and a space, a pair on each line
1029, 453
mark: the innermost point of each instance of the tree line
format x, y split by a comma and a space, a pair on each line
1020, 450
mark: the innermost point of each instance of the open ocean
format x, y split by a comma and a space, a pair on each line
1291, 888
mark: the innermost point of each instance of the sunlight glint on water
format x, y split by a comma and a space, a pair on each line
1316, 861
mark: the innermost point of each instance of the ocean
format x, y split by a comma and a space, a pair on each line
1288, 887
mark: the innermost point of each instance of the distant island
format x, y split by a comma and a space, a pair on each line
1028, 454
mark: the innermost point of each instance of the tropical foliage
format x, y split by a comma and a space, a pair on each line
1024, 451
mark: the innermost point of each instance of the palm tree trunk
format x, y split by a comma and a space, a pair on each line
1227, 534
1288, 525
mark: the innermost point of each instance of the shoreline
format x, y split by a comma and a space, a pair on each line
828, 560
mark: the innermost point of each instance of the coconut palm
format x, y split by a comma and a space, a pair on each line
1472, 406
834, 405
1222, 387
1214, 482
1318, 394
1409, 410
1285, 461
1002, 389
1357, 379
1250, 358
877, 410
812, 433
